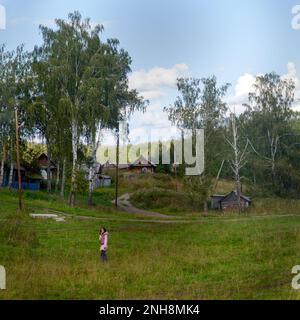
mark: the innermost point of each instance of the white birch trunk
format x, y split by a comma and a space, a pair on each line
94, 144
91, 185
74, 163
48, 167
11, 173
236, 163
57, 177
92, 171
273, 152
2, 167
63, 179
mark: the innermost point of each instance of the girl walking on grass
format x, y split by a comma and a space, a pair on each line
103, 238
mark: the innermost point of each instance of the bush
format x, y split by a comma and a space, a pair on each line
81, 182
136, 181
157, 198
39, 195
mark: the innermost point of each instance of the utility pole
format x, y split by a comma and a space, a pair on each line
21, 205
175, 171
117, 165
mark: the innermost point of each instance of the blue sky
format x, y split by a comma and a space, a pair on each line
233, 39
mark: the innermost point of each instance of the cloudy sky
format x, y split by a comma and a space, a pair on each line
233, 39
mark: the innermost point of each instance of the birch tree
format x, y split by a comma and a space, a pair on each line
267, 120
6, 114
200, 105
70, 50
238, 159
14, 93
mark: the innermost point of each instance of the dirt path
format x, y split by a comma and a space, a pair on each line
169, 221
124, 203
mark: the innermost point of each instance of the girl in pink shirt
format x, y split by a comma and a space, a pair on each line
103, 238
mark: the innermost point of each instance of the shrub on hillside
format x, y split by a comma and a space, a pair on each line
157, 198
146, 181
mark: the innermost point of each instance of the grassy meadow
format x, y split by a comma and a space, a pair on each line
215, 257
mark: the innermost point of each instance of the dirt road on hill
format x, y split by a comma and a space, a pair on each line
124, 203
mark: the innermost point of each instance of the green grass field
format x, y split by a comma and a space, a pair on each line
228, 257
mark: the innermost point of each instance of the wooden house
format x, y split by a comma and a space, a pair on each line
108, 166
142, 165
223, 202
42, 163
7, 172
28, 181
215, 201
31, 176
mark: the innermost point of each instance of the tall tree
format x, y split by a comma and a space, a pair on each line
44, 111
238, 158
201, 106
91, 77
267, 120
70, 51
14, 93
6, 113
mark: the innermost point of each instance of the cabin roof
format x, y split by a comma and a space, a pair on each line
224, 197
40, 158
141, 161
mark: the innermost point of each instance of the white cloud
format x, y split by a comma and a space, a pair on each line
153, 117
245, 83
143, 134
153, 83
154, 122
152, 94
149, 126
241, 90
292, 74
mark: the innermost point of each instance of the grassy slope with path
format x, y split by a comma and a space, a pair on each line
219, 258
